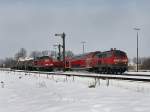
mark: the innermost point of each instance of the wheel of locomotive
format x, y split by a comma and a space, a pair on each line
112, 71
121, 71
90, 70
104, 70
108, 71
95, 70
115, 71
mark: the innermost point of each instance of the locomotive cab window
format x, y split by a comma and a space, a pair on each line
108, 54
105, 55
119, 54
99, 55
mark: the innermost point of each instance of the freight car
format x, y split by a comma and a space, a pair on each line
24, 64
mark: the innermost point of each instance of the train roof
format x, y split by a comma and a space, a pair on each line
89, 54
25, 59
43, 57
115, 50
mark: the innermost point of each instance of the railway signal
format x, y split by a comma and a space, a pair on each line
62, 35
59, 50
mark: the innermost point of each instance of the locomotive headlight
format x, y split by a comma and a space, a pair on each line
51, 64
125, 60
120, 60
116, 60
46, 60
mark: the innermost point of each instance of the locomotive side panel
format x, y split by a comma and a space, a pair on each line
43, 63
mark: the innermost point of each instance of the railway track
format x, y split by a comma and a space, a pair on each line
140, 75
130, 77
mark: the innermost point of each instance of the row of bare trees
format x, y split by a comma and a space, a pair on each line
144, 62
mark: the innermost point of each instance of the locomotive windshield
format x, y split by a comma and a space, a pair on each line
119, 54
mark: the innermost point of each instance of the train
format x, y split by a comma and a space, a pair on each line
107, 62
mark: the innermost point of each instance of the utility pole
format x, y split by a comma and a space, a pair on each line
137, 65
83, 46
62, 35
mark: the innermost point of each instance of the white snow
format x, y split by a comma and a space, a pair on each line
22, 92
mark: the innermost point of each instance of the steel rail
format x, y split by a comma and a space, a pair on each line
144, 78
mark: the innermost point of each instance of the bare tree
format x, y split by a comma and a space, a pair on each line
69, 53
22, 53
9, 62
140, 60
35, 54
146, 63
53, 54
2, 62
45, 53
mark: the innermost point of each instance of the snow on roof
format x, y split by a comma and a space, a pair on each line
25, 59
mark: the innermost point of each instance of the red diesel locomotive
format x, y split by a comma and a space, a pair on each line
43, 63
113, 61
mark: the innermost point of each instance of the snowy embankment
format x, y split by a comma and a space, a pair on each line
20, 92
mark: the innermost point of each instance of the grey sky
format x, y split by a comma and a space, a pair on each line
103, 24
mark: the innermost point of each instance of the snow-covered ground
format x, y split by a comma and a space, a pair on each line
20, 92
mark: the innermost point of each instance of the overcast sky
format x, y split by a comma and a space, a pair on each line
103, 24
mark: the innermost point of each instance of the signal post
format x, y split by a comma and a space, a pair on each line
62, 35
